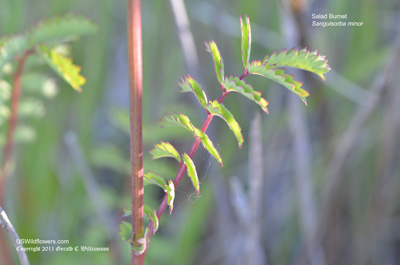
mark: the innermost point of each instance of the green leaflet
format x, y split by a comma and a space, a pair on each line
165, 149
60, 29
221, 111
218, 62
189, 84
279, 76
12, 46
63, 66
125, 230
177, 120
239, 86
303, 59
151, 214
191, 171
245, 40
50, 31
170, 190
152, 178
183, 121
208, 145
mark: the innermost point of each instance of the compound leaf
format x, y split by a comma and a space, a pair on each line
191, 171
218, 62
279, 76
165, 150
245, 40
303, 59
63, 66
236, 85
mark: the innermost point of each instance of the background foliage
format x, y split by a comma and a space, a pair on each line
71, 173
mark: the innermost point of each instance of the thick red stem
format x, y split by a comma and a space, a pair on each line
134, 22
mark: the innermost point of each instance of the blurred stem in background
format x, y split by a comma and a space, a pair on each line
12, 124
296, 36
8, 149
7, 225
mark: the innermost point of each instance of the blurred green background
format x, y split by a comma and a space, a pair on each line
330, 171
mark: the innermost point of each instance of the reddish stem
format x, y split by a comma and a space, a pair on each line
182, 169
134, 22
9, 146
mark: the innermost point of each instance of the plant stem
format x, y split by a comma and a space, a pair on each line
135, 97
5, 222
12, 124
182, 169
9, 146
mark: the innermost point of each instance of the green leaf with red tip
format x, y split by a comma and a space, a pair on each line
189, 84
63, 66
303, 59
150, 178
218, 62
151, 214
191, 171
165, 150
208, 145
245, 40
185, 121
177, 120
170, 190
279, 76
221, 111
171, 120
236, 85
